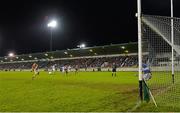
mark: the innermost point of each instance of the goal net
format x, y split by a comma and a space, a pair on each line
157, 47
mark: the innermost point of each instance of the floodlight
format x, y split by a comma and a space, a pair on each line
52, 24
46, 54
127, 51
11, 54
123, 47
91, 50
65, 52
82, 46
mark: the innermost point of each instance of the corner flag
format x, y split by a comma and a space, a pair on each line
146, 92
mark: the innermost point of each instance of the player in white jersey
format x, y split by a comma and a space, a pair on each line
54, 68
63, 69
69, 68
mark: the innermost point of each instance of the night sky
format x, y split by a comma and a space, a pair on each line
23, 24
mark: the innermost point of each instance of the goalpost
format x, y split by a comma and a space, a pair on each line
159, 36
139, 48
172, 39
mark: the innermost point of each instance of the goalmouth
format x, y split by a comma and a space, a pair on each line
159, 36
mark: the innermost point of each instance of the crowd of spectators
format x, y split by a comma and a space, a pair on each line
103, 62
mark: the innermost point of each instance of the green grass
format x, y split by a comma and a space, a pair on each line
86, 92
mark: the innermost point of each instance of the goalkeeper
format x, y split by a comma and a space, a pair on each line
147, 75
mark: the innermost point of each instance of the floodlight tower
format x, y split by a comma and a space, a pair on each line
52, 24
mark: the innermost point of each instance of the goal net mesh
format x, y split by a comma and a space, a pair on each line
157, 53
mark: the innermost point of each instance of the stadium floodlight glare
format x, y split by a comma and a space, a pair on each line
30, 56
11, 54
123, 47
46, 54
65, 52
52, 24
126, 51
82, 46
91, 50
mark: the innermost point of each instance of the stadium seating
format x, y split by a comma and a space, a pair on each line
104, 62
124, 55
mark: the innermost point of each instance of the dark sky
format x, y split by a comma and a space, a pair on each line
23, 24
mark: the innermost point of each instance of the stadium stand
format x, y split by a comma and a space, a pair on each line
124, 55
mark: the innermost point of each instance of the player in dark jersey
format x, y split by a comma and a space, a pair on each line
66, 69
76, 69
114, 69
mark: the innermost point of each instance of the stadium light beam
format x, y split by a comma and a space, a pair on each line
52, 25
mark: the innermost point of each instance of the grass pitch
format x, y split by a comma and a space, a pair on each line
86, 92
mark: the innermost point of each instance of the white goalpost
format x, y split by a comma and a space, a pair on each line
172, 39
139, 48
